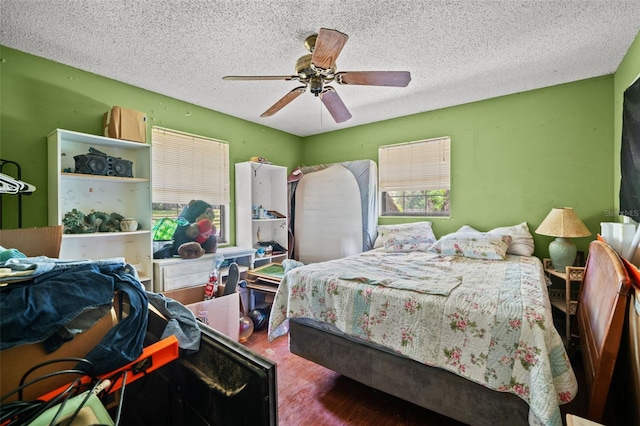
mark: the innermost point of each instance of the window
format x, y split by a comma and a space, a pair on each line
415, 178
188, 167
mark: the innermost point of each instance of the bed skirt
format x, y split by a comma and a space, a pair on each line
432, 388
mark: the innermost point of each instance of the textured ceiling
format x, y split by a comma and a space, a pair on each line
457, 51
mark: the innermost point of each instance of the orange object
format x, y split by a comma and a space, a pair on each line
633, 271
153, 357
16, 361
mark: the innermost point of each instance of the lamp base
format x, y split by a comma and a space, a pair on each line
562, 253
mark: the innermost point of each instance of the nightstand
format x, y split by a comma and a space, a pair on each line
567, 300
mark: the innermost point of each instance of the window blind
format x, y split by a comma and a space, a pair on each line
415, 166
188, 167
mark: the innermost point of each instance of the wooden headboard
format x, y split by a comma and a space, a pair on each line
601, 314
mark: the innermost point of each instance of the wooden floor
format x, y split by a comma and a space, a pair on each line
309, 394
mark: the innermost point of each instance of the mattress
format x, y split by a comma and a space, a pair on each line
335, 210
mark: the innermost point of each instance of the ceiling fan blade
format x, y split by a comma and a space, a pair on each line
284, 101
334, 104
329, 44
374, 78
261, 77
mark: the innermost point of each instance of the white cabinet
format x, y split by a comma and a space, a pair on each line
263, 186
184, 279
127, 196
177, 273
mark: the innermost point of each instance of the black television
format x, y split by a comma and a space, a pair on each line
224, 383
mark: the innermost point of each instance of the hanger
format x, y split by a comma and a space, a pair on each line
9, 185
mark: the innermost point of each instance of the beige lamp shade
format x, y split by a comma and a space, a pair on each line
563, 222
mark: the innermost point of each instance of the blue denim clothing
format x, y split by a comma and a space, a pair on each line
123, 343
34, 310
38, 267
62, 291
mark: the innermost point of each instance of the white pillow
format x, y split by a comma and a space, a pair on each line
475, 245
406, 237
521, 239
467, 228
385, 228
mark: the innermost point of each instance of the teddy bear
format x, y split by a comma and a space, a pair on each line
196, 233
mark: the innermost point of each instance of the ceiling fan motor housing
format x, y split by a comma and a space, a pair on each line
305, 69
303, 66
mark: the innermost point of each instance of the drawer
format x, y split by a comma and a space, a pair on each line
185, 274
191, 273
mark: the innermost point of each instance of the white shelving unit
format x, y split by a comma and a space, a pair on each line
261, 184
128, 196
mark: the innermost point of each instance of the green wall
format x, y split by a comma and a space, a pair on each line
38, 96
627, 73
513, 158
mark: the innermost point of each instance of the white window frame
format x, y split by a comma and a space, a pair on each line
191, 167
415, 166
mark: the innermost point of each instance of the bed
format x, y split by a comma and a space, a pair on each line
459, 325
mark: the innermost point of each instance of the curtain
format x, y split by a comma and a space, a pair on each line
189, 167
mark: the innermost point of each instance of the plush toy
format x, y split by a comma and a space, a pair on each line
198, 235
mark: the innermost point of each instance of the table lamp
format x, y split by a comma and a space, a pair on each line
562, 223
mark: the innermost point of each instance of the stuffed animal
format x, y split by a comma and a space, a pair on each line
198, 235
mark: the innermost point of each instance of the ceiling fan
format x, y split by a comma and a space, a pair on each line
318, 68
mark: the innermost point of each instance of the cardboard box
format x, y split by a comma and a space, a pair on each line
33, 241
122, 123
14, 362
187, 295
221, 313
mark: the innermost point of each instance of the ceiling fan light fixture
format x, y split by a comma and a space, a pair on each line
315, 85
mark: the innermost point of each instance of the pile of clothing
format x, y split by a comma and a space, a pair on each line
50, 301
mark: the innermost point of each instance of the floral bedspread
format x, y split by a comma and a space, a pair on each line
487, 321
